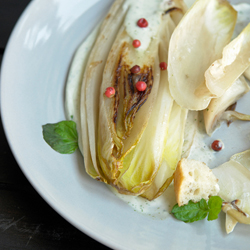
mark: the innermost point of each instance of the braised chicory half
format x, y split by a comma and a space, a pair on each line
132, 140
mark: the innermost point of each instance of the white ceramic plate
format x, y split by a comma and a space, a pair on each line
33, 78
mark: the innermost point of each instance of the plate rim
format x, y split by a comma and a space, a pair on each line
4, 118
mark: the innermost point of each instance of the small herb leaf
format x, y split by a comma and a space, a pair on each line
199, 210
61, 136
214, 204
191, 212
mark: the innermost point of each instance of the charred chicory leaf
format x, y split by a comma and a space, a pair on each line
61, 136
90, 102
199, 210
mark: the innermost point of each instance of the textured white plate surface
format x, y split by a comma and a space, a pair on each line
33, 77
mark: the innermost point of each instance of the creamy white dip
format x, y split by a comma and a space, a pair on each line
151, 11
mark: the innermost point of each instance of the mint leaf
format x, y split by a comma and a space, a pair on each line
191, 212
214, 204
61, 136
198, 211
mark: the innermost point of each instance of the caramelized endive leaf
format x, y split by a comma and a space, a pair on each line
198, 41
216, 111
90, 89
172, 152
235, 60
173, 147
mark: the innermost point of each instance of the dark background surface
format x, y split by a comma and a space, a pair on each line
26, 220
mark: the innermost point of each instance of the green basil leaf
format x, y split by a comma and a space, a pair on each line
61, 136
214, 204
191, 212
